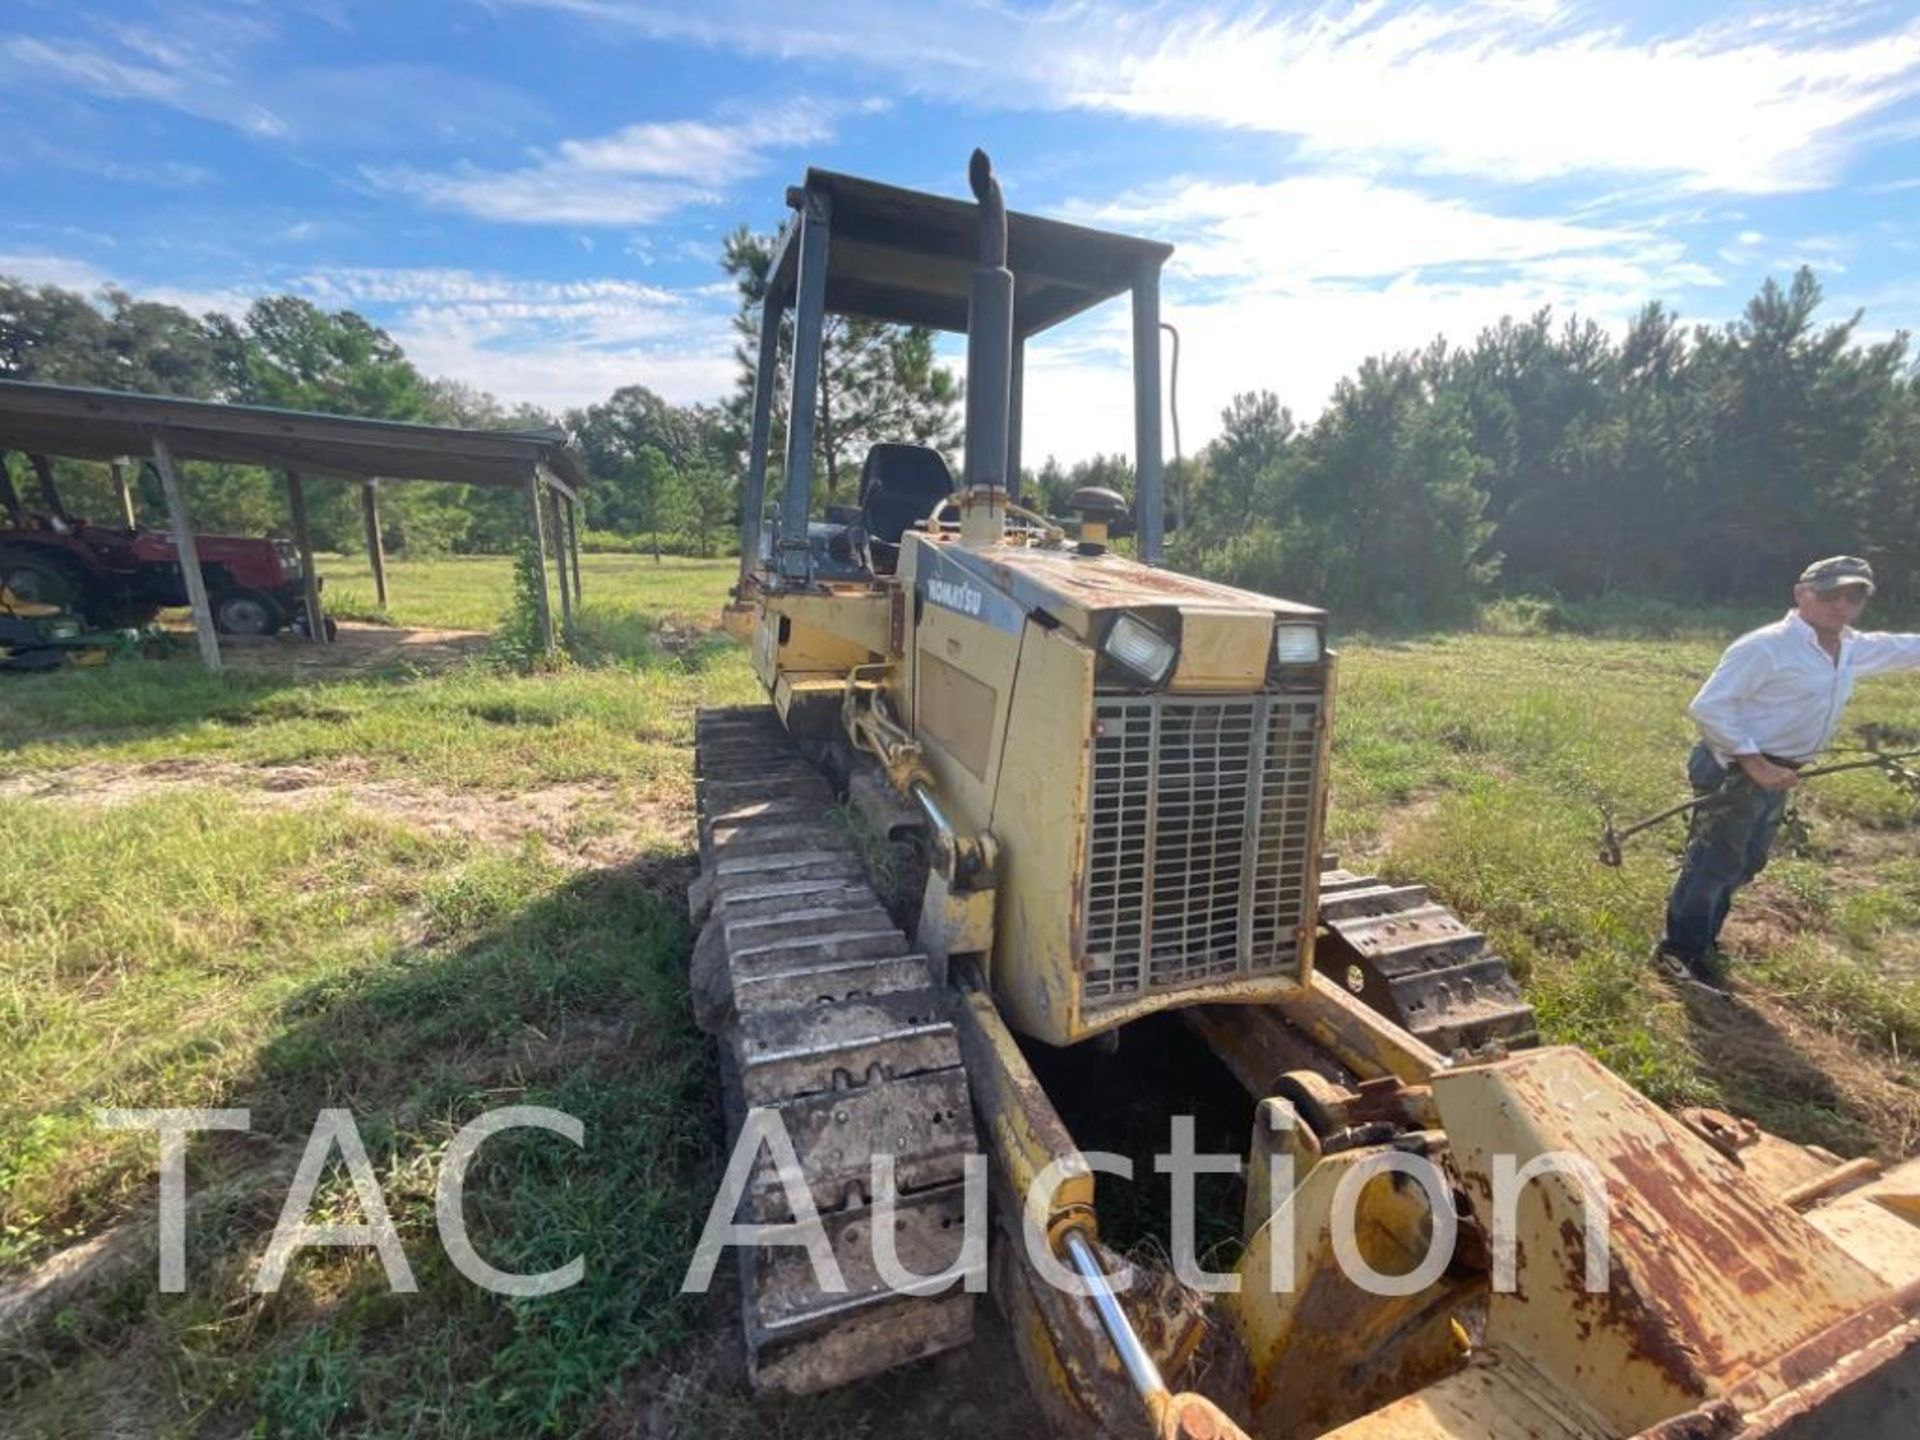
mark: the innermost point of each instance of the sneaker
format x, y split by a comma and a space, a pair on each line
1702, 971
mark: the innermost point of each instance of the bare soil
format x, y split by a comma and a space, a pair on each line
358, 647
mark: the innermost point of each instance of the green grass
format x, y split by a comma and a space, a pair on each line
625, 715
472, 591
170, 934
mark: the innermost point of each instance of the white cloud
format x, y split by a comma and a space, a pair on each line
637, 175
207, 63
1289, 286
1511, 91
558, 376
58, 270
1473, 90
553, 343
173, 72
543, 195
1303, 231
71, 273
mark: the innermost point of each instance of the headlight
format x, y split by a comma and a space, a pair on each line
289, 557
1141, 648
1296, 644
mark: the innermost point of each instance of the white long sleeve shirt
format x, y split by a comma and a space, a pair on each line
1776, 692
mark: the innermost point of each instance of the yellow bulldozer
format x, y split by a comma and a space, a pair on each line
1117, 776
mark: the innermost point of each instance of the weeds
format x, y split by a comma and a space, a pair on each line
182, 944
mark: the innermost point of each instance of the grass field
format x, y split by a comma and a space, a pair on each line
420, 896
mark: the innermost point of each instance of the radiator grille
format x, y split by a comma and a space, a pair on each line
1197, 852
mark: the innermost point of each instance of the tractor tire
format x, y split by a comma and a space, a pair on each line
247, 612
41, 580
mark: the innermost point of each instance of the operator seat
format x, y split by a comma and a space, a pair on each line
899, 486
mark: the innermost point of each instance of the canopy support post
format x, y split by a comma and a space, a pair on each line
189, 553
559, 542
125, 492
1148, 507
309, 575
573, 543
376, 548
543, 609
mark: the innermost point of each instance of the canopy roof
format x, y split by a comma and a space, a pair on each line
906, 256
104, 424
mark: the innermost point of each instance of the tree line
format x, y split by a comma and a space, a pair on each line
1703, 464
663, 477
1548, 456
661, 474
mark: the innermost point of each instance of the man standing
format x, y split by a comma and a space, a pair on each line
1772, 704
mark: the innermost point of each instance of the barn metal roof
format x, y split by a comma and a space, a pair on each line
104, 424
906, 256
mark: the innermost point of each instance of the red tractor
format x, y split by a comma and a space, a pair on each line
115, 576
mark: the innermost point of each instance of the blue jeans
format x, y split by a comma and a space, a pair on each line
1726, 848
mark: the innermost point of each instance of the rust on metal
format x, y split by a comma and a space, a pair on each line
1714, 1421
1729, 1134
1838, 1178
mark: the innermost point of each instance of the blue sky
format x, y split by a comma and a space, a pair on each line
530, 194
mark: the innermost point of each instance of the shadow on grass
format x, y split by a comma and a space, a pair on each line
516, 991
173, 697
575, 1002
1763, 1074
150, 699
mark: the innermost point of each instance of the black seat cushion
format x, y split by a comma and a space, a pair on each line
900, 485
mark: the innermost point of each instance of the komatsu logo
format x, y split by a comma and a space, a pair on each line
963, 598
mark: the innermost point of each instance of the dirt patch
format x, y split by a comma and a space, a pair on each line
584, 825
1362, 852
358, 647
977, 1390
681, 638
1769, 917
1804, 1082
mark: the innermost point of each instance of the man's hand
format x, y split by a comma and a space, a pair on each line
1767, 775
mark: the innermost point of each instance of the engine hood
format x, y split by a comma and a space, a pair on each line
1075, 590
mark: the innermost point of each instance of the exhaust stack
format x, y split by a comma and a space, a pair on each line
989, 365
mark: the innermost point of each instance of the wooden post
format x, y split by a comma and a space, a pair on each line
125, 492
376, 549
536, 530
188, 552
49, 491
573, 546
9, 497
560, 563
310, 577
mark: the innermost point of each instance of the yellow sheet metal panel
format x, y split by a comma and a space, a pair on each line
820, 632
1321, 1348
1040, 822
1074, 588
1223, 650
1708, 1279
1497, 1397
1025, 1130
1362, 1039
1879, 1224
958, 712
962, 684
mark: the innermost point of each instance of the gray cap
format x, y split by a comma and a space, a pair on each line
1838, 570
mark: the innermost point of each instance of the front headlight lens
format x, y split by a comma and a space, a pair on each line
1296, 644
1141, 648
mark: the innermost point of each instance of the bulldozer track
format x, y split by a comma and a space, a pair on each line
1415, 961
828, 1017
